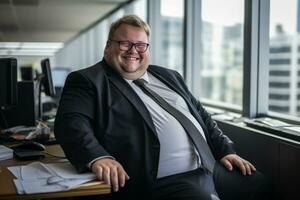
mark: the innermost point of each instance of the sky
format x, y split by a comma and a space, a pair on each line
285, 13
172, 8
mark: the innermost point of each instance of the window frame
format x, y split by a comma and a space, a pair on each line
256, 58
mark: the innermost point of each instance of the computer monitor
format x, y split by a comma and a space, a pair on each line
46, 80
27, 73
8, 82
59, 75
26, 112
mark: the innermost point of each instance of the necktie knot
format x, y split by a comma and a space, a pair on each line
140, 82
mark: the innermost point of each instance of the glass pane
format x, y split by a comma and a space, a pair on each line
140, 9
284, 59
172, 34
221, 67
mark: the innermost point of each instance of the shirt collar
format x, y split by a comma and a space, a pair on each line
145, 76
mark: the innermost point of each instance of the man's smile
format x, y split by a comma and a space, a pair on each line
131, 58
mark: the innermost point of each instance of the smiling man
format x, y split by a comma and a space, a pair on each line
140, 130
131, 63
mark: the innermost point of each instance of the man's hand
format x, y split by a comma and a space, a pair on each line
111, 172
232, 159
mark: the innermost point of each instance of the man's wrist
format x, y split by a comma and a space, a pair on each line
90, 164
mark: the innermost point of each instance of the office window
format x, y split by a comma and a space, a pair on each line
221, 67
140, 9
284, 57
172, 21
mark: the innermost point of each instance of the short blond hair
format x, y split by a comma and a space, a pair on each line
132, 20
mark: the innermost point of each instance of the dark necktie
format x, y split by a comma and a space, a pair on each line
202, 147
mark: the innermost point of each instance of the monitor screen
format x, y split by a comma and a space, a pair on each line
27, 73
47, 81
8, 82
59, 76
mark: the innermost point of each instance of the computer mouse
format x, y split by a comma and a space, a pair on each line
30, 145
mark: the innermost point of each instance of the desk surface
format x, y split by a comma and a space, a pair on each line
8, 190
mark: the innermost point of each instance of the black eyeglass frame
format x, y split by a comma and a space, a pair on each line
130, 45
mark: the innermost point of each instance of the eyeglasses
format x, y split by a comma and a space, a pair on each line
126, 46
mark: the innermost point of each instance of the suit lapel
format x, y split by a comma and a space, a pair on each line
132, 97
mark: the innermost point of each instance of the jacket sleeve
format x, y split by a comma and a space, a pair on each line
219, 143
74, 121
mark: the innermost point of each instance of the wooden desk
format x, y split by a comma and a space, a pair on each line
8, 190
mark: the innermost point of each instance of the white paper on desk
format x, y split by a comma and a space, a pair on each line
32, 178
67, 171
36, 186
34, 170
41, 186
6, 153
19, 187
15, 170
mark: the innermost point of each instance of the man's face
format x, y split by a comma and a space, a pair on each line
130, 64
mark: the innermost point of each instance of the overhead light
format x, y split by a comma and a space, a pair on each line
29, 48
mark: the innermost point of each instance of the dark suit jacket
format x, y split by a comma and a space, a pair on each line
100, 114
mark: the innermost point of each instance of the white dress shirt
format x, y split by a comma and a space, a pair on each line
177, 152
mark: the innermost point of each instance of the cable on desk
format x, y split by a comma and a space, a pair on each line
45, 152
